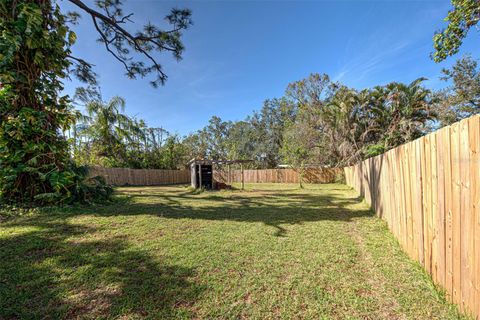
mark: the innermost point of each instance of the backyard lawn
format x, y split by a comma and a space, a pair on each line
269, 252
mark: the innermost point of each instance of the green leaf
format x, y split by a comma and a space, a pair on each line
72, 38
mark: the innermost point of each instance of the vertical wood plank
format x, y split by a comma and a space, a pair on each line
394, 183
446, 134
414, 194
433, 221
427, 192
456, 231
465, 211
402, 220
408, 198
440, 222
474, 245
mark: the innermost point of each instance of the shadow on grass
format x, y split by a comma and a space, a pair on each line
273, 208
55, 271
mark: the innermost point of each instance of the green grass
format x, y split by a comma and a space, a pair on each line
270, 252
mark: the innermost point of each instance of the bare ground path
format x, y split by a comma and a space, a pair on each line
270, 252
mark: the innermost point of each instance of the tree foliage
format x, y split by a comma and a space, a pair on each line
316, 123
106, 136
400, 113
35, 59
136, 51
461, 99
321, 123
464, 15
34, 47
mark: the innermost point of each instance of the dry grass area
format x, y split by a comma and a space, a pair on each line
269, 252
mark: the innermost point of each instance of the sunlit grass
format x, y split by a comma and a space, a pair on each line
271, 251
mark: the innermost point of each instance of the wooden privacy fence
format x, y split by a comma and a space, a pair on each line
150, 177
311, 175
428, 191
140, 177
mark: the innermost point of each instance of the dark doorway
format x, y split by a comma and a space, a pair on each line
204, 176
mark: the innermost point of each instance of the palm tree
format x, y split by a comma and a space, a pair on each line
400, 113
340, 124
110, 129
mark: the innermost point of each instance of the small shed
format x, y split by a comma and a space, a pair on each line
202, 171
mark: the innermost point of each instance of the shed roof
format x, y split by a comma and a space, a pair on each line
211, 161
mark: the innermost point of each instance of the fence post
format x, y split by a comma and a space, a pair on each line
243, 179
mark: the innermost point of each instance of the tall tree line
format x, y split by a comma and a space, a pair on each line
317, 122
321, 122
106, 136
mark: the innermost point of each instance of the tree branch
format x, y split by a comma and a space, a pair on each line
81, 61
116, 38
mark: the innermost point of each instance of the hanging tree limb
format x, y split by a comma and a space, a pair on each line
123, 44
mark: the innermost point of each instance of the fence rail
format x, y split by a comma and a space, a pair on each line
311, 175
428, 191
140, 177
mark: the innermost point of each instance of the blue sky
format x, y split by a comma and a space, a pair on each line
239, 53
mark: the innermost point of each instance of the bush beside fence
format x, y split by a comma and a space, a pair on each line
428, 191
140, 177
